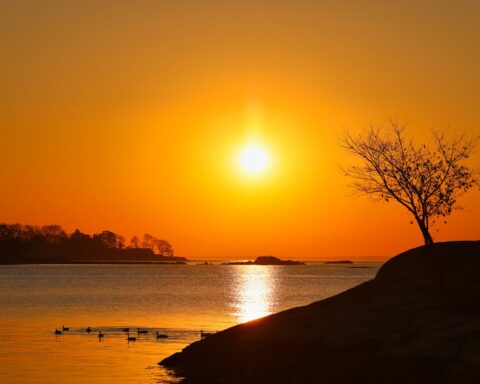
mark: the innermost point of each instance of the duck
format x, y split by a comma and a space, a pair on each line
65, 328
88, 330
126, 330
101, 335
161, 336
57, 332
139, 331
131, 338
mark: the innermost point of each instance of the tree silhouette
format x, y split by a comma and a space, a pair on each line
50, 243
77, 235
108, 238
53, 233
148, 241
134, 242
120, 242
427, 182
164, 247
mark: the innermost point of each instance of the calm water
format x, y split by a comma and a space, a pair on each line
178, 300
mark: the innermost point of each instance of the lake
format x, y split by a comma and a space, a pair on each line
176, 300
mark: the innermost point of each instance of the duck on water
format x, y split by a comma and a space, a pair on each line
131, 338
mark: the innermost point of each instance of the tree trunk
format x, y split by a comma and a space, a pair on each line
425, 232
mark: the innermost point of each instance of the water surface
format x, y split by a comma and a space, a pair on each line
177, 300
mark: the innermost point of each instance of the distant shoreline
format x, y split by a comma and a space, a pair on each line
194, 262
97, 262
50, 244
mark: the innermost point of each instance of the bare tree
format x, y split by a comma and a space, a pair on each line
148, 241
120, 242
427, 182
163, 246
134, 242
109, 238
79, 236
53, 233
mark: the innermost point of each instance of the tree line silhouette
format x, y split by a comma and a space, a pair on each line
51, 243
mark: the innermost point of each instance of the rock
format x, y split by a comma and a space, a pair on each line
266, 260
418, 321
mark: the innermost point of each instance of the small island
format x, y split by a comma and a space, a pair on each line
266, 260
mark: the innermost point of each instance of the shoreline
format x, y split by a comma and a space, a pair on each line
100, 263
194, 262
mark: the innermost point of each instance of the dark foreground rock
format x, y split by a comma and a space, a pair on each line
418, 321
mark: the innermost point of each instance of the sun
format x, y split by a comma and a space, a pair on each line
253, 159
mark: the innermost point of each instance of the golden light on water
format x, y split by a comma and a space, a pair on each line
255, 292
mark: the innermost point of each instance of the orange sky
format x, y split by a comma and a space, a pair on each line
127, 115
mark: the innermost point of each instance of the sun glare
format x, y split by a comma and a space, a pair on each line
254, 159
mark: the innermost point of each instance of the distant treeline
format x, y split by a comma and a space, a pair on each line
51, 244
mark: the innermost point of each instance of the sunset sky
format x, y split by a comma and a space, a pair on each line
132, 116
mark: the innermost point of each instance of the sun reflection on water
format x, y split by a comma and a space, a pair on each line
255, 292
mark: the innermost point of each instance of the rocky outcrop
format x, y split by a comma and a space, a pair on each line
418, 321
266, 260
